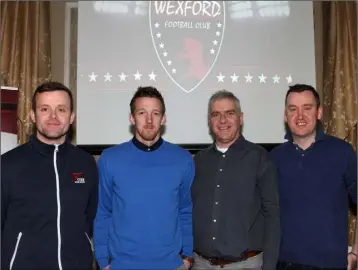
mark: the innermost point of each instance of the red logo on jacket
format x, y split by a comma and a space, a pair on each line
78, 178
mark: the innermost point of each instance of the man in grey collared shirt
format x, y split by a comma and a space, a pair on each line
235, 198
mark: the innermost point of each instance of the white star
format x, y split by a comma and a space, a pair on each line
137, 76
215, 42
218, 33
165, 53
156, 25
152, 76
92, 77
234, 78
262, 78
174, 71
219, 25
289, 79
122, 77
107, 77
161, 45
276, 79
169, 62
159, 35
220, 77
248, 78
212, 51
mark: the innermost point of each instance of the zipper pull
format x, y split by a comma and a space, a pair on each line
56, 147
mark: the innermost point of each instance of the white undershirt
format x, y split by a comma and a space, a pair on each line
222, 150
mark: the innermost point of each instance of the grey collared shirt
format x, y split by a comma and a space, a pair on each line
235, 202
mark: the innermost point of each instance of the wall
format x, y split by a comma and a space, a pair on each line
64, 46
57, 11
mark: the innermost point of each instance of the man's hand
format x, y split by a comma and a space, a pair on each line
108, 267
352, 261
187, 263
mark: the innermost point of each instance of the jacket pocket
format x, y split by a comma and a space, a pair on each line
89, 240
15, 250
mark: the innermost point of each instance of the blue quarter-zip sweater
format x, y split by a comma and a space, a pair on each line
314, 188
144, 218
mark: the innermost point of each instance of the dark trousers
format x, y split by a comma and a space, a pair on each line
296, 266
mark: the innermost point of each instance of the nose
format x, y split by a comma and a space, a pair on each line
222, 118
299, 114
53, 114
149, 118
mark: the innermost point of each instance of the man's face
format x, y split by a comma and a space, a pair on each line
302, 113
52, 116
147, 119
225, 121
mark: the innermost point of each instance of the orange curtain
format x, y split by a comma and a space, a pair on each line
340, 75
25, 51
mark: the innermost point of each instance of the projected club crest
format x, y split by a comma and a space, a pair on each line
187, 37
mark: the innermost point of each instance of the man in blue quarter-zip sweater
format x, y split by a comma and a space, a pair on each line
144, 216
48, 192
317, 177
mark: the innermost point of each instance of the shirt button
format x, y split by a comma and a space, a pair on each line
303, 154
214, 238
221, 170
216, 202
218, 186
214, 220
224, 156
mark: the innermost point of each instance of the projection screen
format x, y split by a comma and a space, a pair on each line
188, 50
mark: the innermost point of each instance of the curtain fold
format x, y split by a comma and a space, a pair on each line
340, 76
25, 52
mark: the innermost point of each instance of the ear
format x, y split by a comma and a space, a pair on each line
320, 113
32, 116
241, 118
285, 115
72, 118
131, 119
164, 120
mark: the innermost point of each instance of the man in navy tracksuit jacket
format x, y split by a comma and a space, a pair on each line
48, 192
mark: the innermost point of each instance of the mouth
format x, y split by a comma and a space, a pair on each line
53, 124
224, 128
301, 124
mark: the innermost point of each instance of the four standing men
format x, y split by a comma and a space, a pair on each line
249, 210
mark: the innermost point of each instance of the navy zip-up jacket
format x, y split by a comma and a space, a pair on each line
48, 203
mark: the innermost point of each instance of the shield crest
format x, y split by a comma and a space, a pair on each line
187, 37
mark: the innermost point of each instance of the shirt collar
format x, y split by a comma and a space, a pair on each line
147, 148
240, 142
320, 135
46, 149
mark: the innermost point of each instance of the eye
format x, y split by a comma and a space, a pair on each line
43, 109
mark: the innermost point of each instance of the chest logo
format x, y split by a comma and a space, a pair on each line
78, 178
